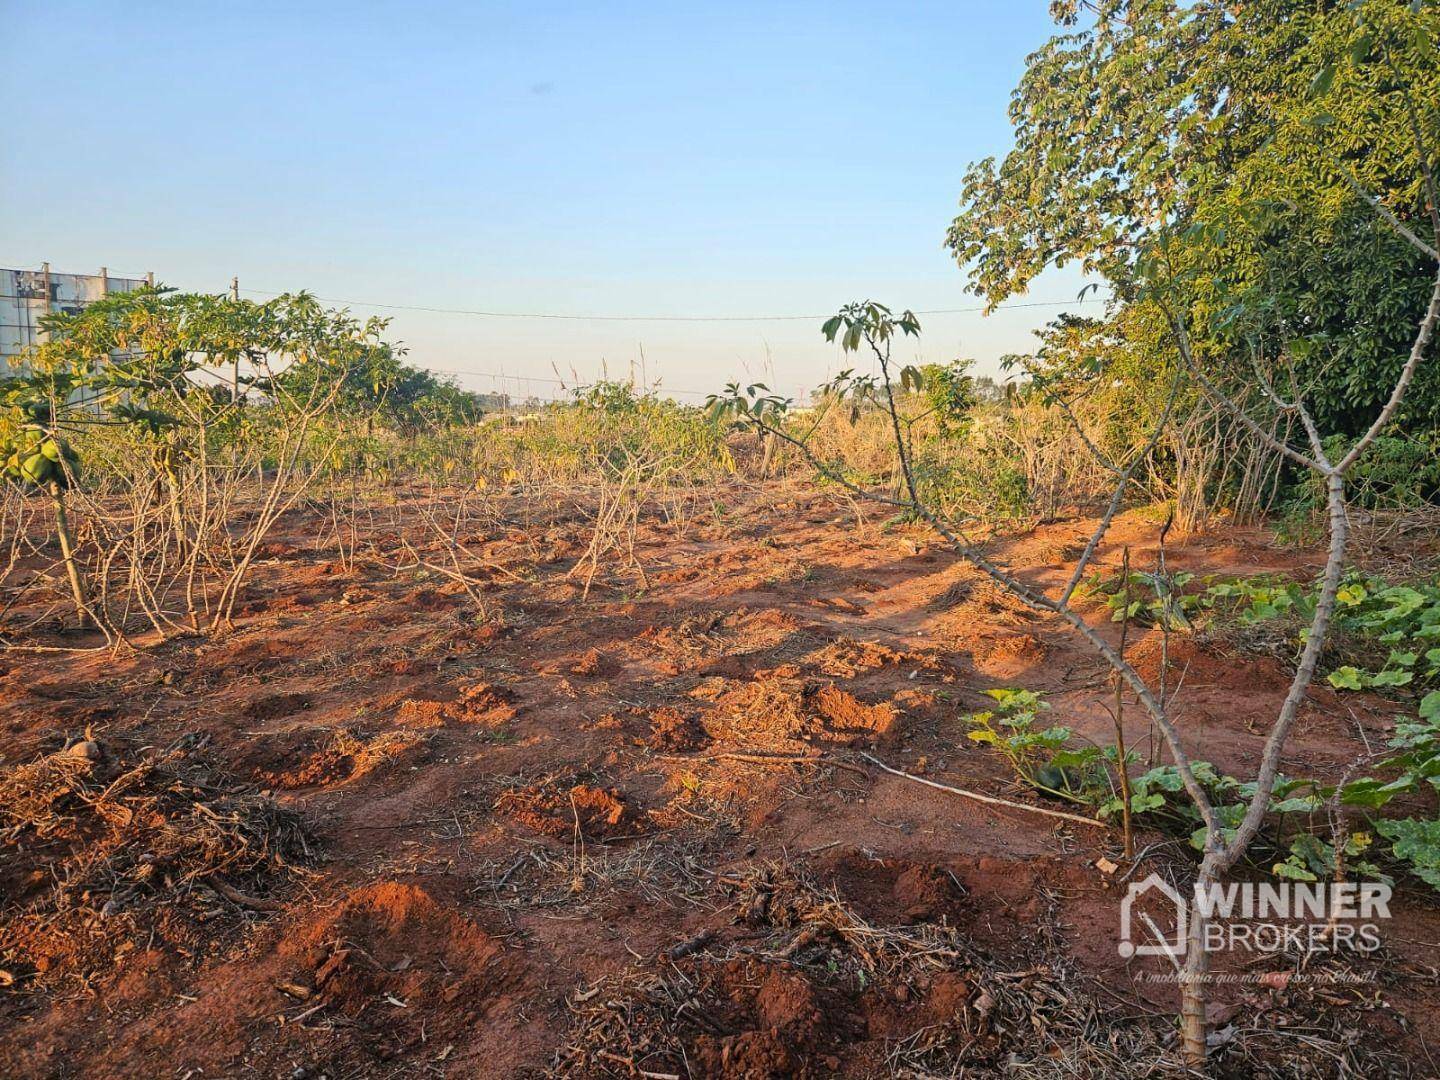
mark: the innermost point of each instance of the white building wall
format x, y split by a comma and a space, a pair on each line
27, 295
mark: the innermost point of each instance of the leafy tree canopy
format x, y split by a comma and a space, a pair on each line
1246, 155
139, 356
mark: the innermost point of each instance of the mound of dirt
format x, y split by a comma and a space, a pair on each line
751, 1055
673, 732
776, 712
786, 1002
704, 638
848, 719
104, 851
485, 703
329, 757
481, 703
1008, 654
394, 941
845, 658
550, 808
593, 664
422, 713
1199, 664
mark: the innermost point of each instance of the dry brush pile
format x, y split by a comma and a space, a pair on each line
107, 850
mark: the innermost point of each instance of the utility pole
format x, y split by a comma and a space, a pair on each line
235, 371
49, 297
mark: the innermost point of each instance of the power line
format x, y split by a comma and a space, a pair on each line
650, 318
485, 314
568, 383
567, 317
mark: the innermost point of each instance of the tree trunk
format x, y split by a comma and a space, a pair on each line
767, 458
67, 552
1194, 975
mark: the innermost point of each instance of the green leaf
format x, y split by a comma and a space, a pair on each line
1360, 47
1347, 678
1075, 759
1350, 595
1418, 844
1371, 793
1307, 804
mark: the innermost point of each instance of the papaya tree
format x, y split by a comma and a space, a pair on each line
38, 457
144, 373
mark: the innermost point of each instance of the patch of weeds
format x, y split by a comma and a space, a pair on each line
1147, 599
1291, 845
1041, 757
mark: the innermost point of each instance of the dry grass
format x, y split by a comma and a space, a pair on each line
102, 850
712, 998
991, 1020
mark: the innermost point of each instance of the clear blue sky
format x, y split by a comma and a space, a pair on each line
590, 158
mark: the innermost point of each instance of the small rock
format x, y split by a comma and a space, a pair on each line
88, 749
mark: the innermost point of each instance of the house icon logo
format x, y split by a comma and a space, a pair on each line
1154, 941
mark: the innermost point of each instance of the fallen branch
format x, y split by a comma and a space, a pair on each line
693, 945
618, 1060
235, 896
990, 799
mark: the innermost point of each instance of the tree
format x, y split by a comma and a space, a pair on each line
150, 363
873, 326
1258, 140
949, 392
1254, 182
380, 387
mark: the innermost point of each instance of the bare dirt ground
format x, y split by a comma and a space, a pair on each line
376, 831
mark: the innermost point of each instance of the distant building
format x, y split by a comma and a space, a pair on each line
27, 295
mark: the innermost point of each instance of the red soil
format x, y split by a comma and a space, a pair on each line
515, 814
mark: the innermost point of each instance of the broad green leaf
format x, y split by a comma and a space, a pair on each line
1347, 678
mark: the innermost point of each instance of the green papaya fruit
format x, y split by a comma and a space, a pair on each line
36, 468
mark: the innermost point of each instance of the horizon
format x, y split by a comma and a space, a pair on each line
721, 171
